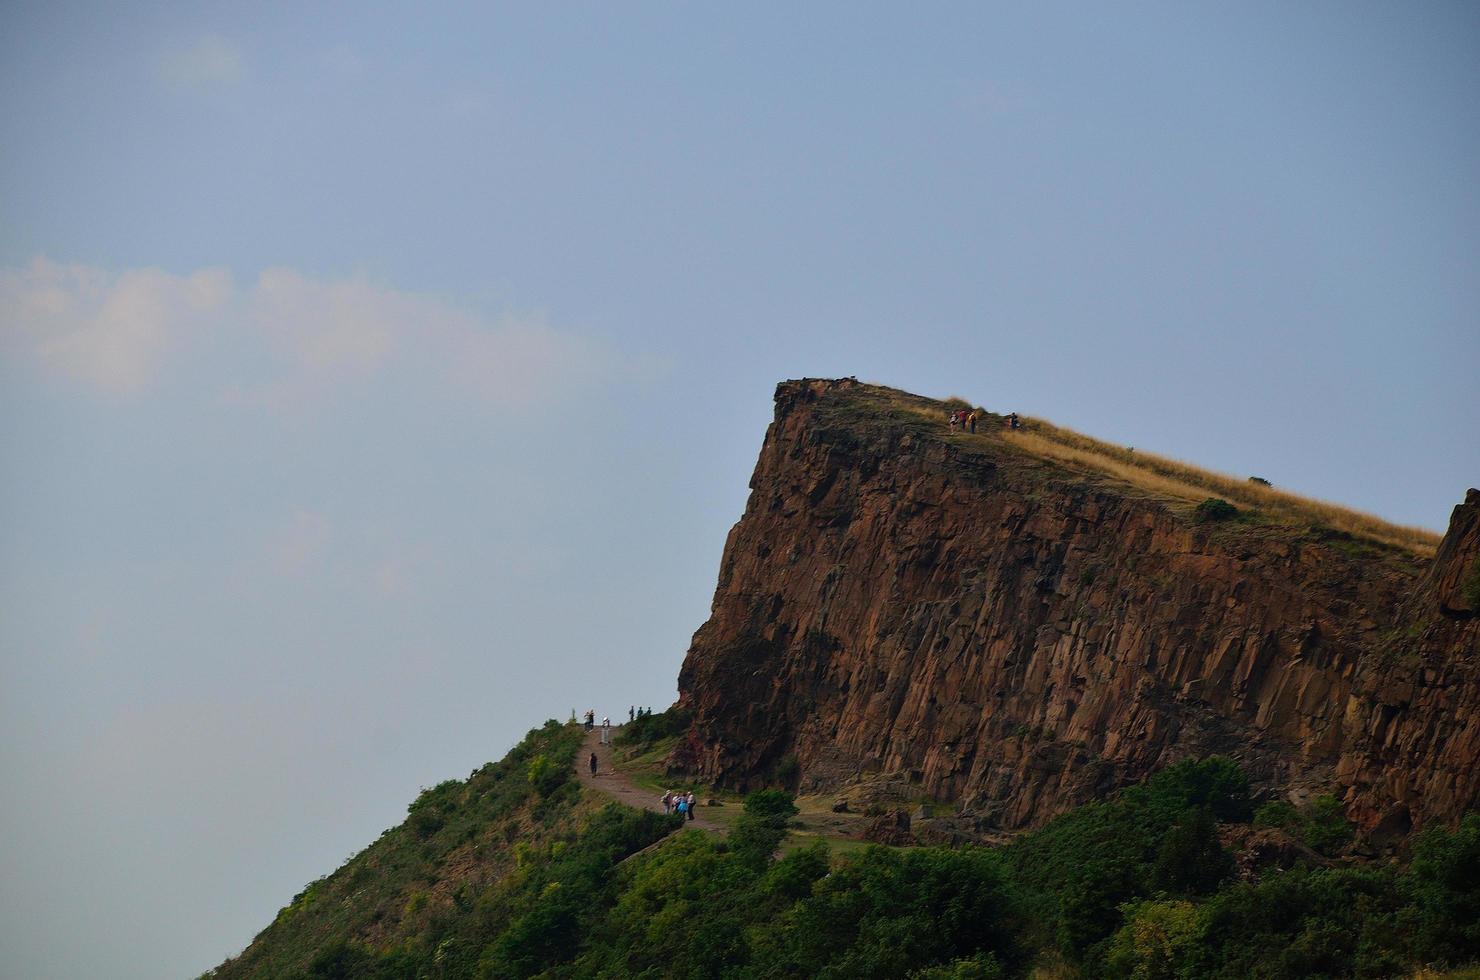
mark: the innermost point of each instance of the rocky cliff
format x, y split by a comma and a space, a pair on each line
1019, 636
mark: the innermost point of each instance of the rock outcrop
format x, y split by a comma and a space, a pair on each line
1006, 632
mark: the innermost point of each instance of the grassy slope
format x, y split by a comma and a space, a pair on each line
1180, 485
458, 839
507, 876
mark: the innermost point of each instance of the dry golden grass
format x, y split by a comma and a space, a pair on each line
1174, 478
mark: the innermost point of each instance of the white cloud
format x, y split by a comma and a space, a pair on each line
106, 329
292, 339
207, 61
346, 326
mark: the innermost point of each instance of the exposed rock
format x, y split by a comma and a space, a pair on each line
1452, 585
1256, 850
890, 828
841, 806
946, 831
959, 619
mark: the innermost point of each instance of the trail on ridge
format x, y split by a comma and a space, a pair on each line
618, 786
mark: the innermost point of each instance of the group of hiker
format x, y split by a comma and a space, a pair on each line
634, 712
606, 726
679, 803
965, 420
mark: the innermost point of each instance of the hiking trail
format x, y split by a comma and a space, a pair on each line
619, 786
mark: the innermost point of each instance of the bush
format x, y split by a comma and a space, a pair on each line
1280, 815
1326, 828
1154, 942
1214, 509
1321, 824
1191, 859
644, 731
427, 814
1444, 887
545, 776
787, 770
762, 826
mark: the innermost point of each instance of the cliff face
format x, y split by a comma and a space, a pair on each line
1021, 638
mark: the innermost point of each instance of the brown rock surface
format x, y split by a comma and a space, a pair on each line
1019, 637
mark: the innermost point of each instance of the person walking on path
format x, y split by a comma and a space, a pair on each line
971, 421
593, 763
606, 731
689, 804
632, 713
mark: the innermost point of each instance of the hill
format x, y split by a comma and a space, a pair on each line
1203, 741
519, 871
1020, 622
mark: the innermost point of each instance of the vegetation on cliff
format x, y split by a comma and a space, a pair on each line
522, 876
1181, 483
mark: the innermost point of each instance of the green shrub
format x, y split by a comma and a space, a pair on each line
1191, 859
1444, 889
1214, 509
1280, 815
787, 770
1326, 828
982, 966
1155, 942
762, 826
644, 731
545, 776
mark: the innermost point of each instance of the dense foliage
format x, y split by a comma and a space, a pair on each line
645, 730
1137, 887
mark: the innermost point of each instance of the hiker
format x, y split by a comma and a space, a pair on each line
953, 420
1012, 421
606, 730
632, 713
689, 804
681, 807
971, 421
593, 763
667, 801
590, 719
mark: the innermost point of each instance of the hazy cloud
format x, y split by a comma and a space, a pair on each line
113, 331
106, 329
346, 326
208, 60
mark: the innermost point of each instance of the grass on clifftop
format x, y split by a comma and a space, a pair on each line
1154, 474
1175, 478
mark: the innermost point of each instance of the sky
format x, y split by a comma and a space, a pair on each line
378, 381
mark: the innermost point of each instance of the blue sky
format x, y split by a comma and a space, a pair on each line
376, 383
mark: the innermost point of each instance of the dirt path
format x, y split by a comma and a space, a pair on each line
616, 785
